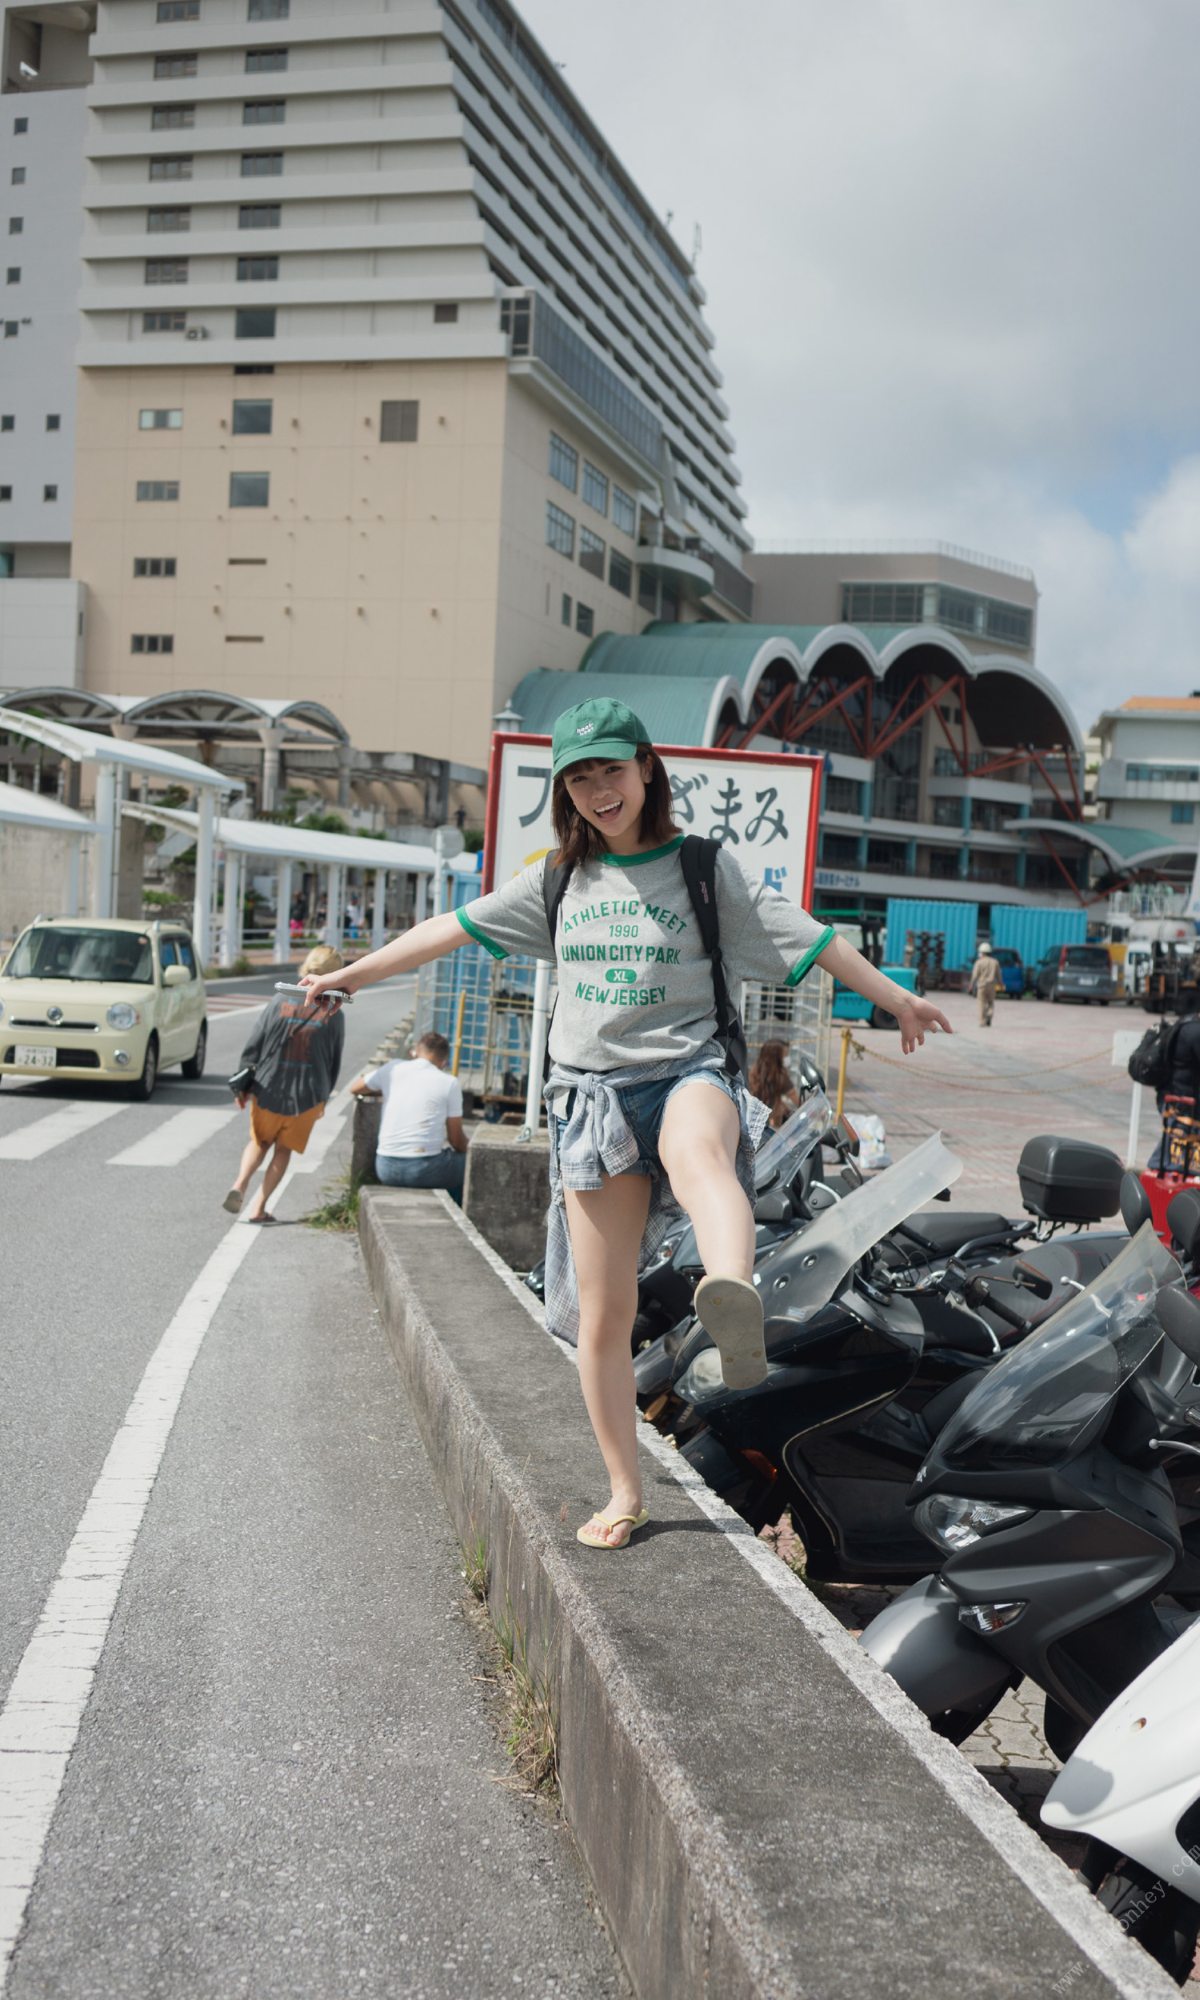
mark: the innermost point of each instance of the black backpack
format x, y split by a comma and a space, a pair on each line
1152, 1059
698, 859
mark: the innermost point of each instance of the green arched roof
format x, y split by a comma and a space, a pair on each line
676, 710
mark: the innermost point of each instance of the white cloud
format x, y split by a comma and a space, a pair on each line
947, 247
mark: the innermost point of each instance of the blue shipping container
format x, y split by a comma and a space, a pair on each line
957, 922
1032, 931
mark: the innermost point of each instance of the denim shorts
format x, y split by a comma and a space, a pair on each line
644, 1104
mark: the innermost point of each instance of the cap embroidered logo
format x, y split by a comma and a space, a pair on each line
585, 729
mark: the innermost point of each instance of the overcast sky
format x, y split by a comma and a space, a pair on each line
950, 251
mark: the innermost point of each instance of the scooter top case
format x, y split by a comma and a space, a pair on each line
1134, 1781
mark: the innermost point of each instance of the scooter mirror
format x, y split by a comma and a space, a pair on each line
808, 1076
1183, 1221
1032, 1280
1135, 1203
1178, 1314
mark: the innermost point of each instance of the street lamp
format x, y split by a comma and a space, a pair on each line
508, 721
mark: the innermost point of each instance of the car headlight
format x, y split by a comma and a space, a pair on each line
955, 1524
122, 1016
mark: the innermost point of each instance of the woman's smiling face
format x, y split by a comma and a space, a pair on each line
610, 795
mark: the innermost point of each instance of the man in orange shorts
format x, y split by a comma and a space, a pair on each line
295, 1053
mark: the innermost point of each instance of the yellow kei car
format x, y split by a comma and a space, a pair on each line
102, 1000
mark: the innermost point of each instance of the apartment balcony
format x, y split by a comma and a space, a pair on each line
1117, 779
686, 570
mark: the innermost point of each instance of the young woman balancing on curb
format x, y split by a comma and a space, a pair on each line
643, 1111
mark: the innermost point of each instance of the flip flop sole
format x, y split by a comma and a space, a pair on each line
730, 1311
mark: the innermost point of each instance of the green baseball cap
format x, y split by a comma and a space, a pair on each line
598, 728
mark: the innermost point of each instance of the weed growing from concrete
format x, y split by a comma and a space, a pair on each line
522, 1705
339, 1210
475, 1568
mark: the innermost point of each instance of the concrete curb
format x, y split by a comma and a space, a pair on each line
762, 1812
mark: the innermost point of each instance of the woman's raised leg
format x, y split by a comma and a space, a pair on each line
606, 1234
698, 1147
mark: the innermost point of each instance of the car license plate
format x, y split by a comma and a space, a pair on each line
31, 1058
1089, 978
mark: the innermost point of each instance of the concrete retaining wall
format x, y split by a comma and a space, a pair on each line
762, 1812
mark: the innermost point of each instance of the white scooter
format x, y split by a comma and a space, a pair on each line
1133, 1783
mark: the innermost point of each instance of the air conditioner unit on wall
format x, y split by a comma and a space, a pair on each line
197, 333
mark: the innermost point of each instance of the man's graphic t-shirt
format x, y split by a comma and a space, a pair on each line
634, 981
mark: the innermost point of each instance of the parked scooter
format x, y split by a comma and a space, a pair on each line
1047, 1496
1133, 1783
816, 1438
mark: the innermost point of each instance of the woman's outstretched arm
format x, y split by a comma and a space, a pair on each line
913, 1014
431, 939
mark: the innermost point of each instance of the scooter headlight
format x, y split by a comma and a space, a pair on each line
702, 1379
954, 1524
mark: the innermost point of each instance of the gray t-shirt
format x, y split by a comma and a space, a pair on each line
634, 981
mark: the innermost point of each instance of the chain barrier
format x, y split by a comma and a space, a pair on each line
986, 1079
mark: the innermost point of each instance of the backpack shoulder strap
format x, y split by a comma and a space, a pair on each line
555, 877
698, 859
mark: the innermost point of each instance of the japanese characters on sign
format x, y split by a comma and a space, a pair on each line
762, 807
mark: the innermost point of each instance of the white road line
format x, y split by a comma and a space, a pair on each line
173, 1140
70, 1122
40, 1720
1133, 1975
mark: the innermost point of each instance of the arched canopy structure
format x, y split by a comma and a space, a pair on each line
1128, 851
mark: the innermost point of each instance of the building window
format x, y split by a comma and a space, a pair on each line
252, 419
11, 329
254, 367
398, 422
157, 489
624, 511
260, 165
265, 111
445, 315
16, 225
257, 267
14, 274
268, 10
560, 530
591, 553
1162, 774
172, 322
254, 323
243, 638
172, 117
160, 220
259, 215
178, 10
49, 493
620, 573
259, 61
154, 565
172, 167
566, 610
53, 421
175, 65
585, 620
160, 420
18, 176
595, 488
8, 423
564, 462
152, 642
648, 591
166, 270
249, 489
5, 492
20, 125
1182, 815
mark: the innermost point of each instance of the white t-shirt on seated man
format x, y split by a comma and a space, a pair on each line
421, 1138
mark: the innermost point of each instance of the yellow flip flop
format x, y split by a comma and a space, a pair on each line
601, 1540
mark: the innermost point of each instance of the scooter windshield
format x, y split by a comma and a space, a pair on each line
778, 1157
832, 1245
1049, 1397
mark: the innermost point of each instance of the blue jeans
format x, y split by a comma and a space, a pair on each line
644, 1105
424, 1170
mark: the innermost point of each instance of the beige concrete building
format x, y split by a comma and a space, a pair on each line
393, 386
989, 604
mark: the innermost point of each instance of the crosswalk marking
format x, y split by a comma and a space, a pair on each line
70, 1122
172, 1141
234, 1003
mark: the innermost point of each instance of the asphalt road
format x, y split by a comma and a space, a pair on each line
284, 1781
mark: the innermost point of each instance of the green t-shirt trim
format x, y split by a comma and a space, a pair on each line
481, 937
636, 860
814, 951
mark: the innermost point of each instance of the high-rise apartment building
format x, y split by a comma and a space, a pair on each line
392, 385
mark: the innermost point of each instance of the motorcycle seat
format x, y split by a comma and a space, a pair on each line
947, 1229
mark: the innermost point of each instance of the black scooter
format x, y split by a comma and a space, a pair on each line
1062, 1498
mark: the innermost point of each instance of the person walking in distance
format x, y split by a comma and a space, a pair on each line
649, 1111
421, 1139
294, 1055
985, 979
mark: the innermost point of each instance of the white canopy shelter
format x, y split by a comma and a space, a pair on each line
263, 840
112, 756
23, 808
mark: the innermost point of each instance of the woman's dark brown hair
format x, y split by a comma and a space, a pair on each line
579, 841
769, 1079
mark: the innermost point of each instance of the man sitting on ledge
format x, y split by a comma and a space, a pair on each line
421, 1139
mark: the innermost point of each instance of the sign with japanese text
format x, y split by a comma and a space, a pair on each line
762, 807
